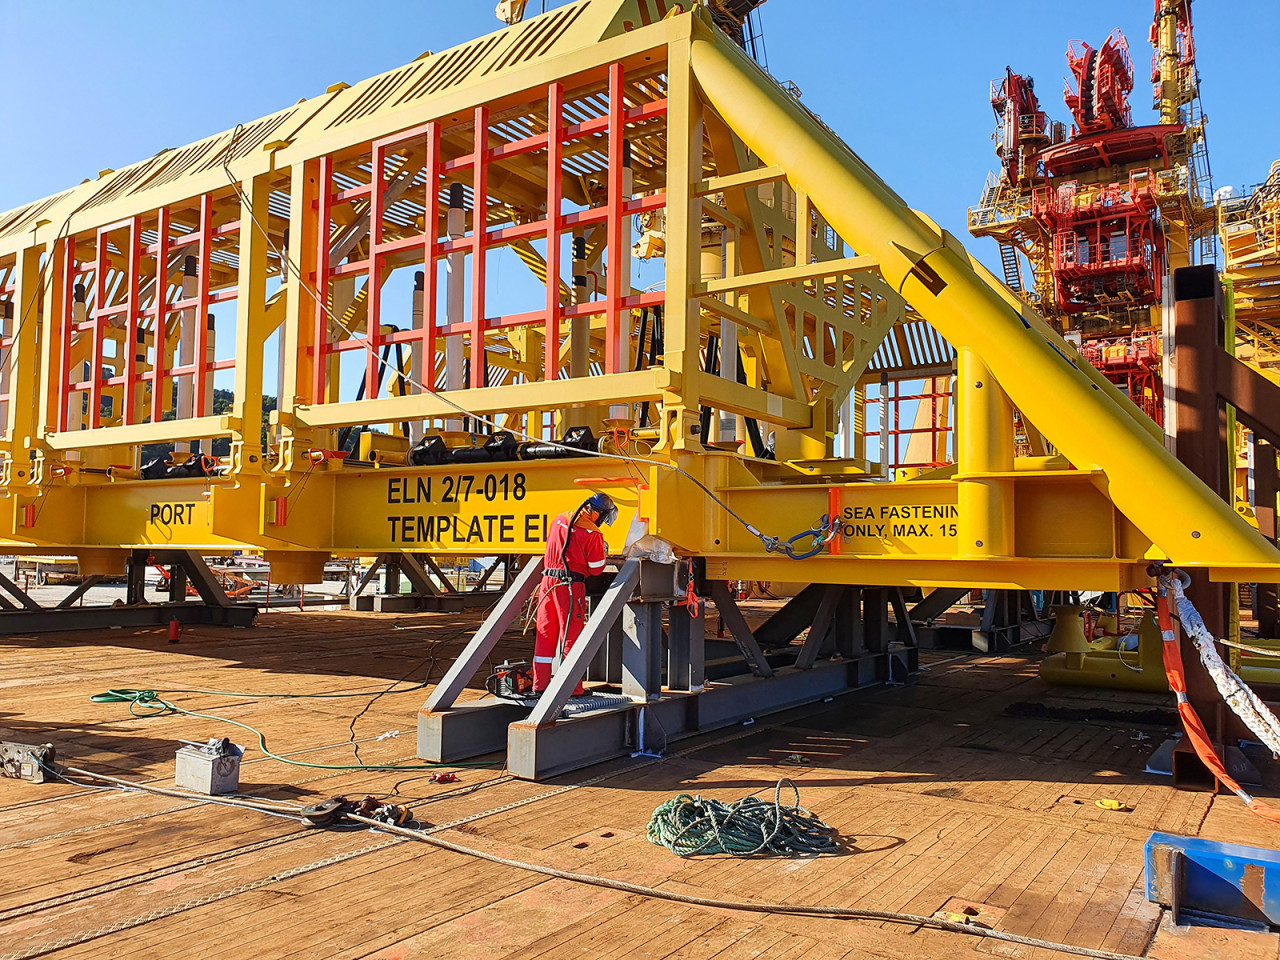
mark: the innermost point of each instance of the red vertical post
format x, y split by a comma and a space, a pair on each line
614, 280
430, 231
897, 423
833, 513
320, 357
373, 302
933, 423
479, 225
133, 263
160, 339
65, 392
555, 145
200, 379
95, 354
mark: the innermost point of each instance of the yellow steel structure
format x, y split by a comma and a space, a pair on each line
304, 205
1249, 231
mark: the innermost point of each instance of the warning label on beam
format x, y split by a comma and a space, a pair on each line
908, 524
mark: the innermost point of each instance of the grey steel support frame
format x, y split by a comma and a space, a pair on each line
537, 752
18, 594
214, 607
661, 690
1008, 618
448, 730
85, 585
607, 665
937, 603
642, 650
426, 595
737, 626
135, 577
686, 649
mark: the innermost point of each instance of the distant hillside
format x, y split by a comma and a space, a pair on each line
222, 400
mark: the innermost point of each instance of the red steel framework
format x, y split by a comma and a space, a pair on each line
110, 279
1099, 98
891, 401
551, 227
1109, 249
1133, 363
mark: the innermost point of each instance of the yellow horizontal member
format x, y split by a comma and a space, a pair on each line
800, 272
1055, 516
471, 510
180, 514
1067, 536
167, 431
1242, 574
478, 510
749, 401
544, 395
1043, 574
747, 178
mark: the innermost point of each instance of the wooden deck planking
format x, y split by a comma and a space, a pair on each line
973, 796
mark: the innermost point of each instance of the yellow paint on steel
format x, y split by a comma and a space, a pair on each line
808, 321
1181, 516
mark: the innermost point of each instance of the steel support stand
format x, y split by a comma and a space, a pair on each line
606, 667
177, 583
18, 594
86, 584
136, 578
630, 705
642, 650
448, 730
215, 607
686, 656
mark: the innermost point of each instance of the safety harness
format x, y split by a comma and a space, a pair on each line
564, 575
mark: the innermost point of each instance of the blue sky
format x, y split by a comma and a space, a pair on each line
904, 83
87, 84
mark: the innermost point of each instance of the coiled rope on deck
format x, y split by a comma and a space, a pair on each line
690, 825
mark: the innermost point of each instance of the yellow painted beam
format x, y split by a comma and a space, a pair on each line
619, 387
797, 274
167, 431
734, 181
1185, 520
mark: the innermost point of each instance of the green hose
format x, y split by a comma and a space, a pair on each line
149, 703
688, 825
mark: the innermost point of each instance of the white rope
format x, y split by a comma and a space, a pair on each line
1248, 648
1244, 703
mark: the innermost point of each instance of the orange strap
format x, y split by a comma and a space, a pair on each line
691, 602
1195, 729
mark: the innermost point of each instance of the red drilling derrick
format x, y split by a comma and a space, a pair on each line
1021, 126
1107, 246
1099, 97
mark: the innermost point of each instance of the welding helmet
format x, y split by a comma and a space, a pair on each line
605, 509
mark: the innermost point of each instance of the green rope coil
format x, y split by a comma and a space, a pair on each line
689, 825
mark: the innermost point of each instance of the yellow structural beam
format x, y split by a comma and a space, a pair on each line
768, 325
1184, 520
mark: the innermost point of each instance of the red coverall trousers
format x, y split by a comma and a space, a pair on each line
560, 615
562, 606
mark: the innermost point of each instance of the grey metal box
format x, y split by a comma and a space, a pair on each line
207, 771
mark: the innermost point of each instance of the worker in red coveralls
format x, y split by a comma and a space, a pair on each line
575, 551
